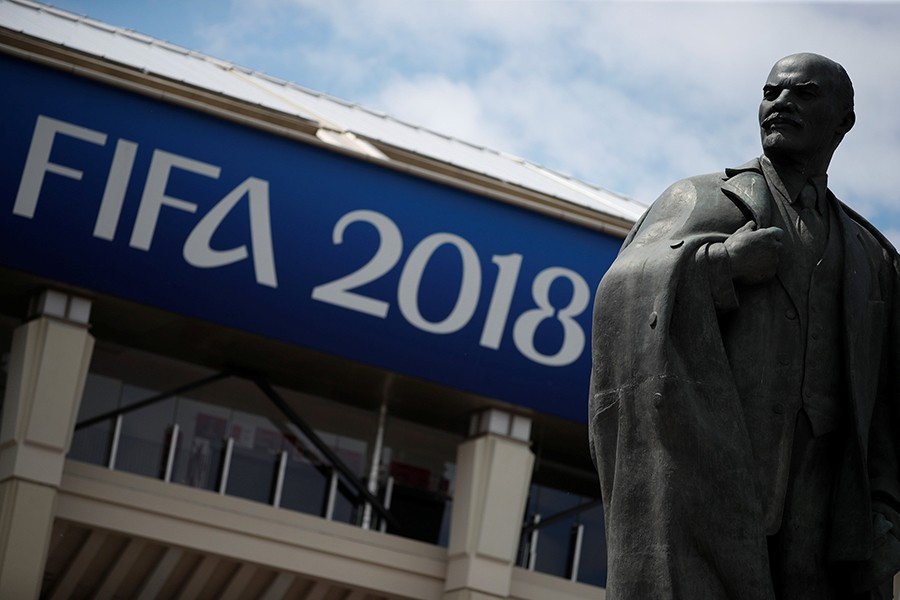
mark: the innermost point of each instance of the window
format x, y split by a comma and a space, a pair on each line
221, 433
567, 537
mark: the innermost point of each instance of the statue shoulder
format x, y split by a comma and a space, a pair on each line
745, 180
693, 204
694, 188
682, 197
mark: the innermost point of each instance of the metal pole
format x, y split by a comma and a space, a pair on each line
533, 543
375, 466
226, 465
152, 400
114, 446
560, 516
279, 480
170, 455
388, 494
332, 494
576, 552
350, 477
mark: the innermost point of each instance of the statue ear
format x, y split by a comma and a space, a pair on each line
847, 122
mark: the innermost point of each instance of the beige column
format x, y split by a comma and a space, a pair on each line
493, 474
48, 365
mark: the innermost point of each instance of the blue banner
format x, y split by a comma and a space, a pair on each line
155, 203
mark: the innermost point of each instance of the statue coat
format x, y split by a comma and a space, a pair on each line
695, 392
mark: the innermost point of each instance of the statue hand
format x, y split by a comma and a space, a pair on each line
754, 253
877, 572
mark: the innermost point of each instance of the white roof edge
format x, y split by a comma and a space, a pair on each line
550, 182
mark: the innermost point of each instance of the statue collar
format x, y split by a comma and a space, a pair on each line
752, 165
748, 187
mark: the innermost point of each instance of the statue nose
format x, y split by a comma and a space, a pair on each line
783, 99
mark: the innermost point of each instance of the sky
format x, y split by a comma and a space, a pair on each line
628, 96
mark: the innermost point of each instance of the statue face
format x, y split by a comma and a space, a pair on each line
799, 116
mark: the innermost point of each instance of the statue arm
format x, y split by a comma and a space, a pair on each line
884, 455
714, 260
884, 438
748, 255
884, 434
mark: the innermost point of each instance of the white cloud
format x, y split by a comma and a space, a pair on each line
628, 96
444, 106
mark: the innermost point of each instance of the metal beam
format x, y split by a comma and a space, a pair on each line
329, 454
152, 400
571, 512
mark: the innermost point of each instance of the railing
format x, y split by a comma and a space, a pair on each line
341, 484
302, 472
566, 556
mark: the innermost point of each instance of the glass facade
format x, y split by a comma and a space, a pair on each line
420, 464
226, 436
567, 537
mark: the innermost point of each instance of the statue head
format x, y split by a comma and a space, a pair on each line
806, 109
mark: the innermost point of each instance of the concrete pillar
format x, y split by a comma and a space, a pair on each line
48, 365
493, 475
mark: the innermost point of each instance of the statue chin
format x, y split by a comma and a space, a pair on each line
776, 143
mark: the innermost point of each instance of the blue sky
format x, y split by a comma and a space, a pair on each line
630, 96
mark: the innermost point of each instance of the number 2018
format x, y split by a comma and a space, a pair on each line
340, 292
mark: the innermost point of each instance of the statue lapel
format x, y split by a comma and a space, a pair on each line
747, 187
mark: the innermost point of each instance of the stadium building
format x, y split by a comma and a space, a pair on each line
262, 343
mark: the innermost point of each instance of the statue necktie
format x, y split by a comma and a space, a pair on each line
811, 227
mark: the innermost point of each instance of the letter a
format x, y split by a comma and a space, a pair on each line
199, 253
